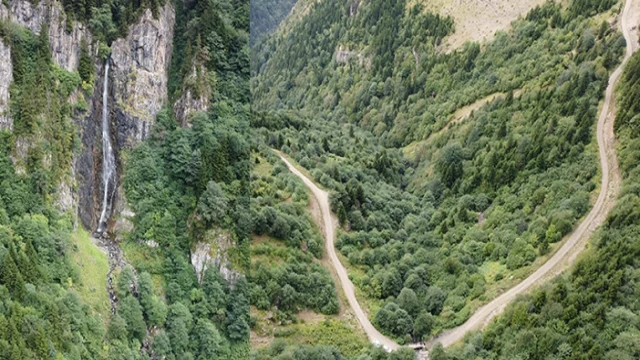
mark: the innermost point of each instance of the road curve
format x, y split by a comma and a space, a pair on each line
328, 228
560, 261
578, 239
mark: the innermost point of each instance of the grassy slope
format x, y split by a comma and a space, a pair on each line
310, 328
93, 267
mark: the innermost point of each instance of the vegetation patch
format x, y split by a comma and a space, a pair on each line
423, 231
93, 267
324, 330
591, 311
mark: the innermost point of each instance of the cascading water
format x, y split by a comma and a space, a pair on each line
108, 159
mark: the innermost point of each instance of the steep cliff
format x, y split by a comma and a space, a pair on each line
6, 77
137, 91
65, 45
140, 64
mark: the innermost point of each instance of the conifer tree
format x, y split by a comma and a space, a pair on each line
11, 277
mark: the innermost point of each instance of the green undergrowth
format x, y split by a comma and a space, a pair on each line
93, 267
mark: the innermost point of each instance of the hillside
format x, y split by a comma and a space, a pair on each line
477, 21
589, 312
266, 15
124, 173
440, 213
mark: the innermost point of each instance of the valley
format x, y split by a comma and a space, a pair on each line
460, 182
319, 180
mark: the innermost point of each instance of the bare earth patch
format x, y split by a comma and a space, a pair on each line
477, 20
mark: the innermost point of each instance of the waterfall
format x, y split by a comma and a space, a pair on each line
108, 159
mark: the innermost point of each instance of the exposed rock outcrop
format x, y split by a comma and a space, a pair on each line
65, 46
213, 252
6, 77
192, 101
140, 64
88, 163
66, 197
123, 224
137, 89
353, 8
344, 56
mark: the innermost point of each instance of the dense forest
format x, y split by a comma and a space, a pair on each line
42, 314
592, 312
451, 173
266, 15
42, 311
212, 36
190, 186
186, 186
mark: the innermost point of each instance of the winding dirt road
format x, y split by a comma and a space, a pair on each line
328, 228
578, 239
560, 261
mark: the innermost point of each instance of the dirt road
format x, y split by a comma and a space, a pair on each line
577, 240
328, 227
560, 261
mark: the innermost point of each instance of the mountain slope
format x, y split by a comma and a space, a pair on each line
266, 15
476, 208
578, 240
79, 73
590, 312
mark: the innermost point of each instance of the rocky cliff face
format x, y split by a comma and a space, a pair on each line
137, 91
88, 162
6, 76
193, 101
213, 252
65, 52
138, 79
140, 65
65, 46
